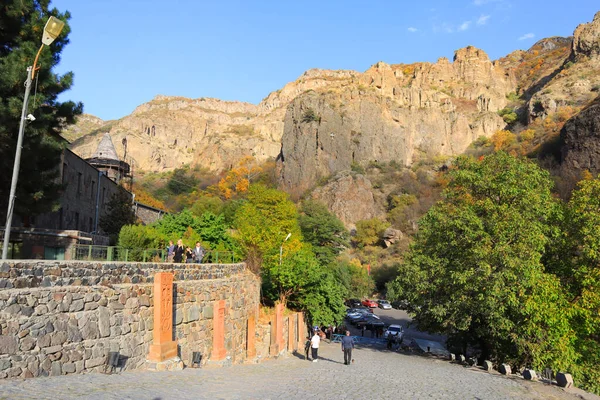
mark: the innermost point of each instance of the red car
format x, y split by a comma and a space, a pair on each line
369, 303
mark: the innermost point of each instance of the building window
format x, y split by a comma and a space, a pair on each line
92, 191
77, 220
79, 183
60, 219
91, 225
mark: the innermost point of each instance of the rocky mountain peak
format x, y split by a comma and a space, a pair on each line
586, 39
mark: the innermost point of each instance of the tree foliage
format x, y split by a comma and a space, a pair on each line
581, 275
323, 230
300, 282
474, 271
120, 213
368, 232
21, 24
264, 221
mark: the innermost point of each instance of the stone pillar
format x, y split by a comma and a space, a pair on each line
279, 327
301, 331
251, 338
292, 342
163, 350
218, 350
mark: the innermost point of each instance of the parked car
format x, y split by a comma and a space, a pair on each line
395, 330
384, 304
369, 303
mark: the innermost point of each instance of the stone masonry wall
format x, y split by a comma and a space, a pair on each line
47, 273
70, 325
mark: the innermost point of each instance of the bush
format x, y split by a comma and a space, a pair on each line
508, 115
310, 116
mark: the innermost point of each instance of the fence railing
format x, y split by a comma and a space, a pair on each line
115, 253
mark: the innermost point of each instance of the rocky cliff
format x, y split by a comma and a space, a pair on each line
326, 122
581, 138
391, 113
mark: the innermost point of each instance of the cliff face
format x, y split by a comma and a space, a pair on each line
581, 138
326, 122
391, 113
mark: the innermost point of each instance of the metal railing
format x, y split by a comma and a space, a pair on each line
116, 253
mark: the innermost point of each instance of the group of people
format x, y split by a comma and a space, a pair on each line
312, 345
179, 253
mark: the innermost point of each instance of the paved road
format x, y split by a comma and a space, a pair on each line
376, 374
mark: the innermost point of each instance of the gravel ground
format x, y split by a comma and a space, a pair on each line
377, 373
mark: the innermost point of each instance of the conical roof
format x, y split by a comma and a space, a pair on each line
106, 149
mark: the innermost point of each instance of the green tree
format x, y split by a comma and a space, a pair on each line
369, 231
323, 230
120, 213
204, 204
173, 226
21, 27
301, 283
580, 272
263, 222
139, 238
182, 181
353, 277
474, 271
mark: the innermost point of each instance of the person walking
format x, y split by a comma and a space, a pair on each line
347, 346
314, 345
179, 251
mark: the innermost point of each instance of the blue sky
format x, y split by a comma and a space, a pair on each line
125, 52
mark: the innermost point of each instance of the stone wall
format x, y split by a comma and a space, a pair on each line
45, 273
56, 319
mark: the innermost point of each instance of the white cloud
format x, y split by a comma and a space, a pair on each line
411, 29
483, 19
527, 36
482, 2
464, 26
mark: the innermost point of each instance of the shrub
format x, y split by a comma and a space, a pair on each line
310, 116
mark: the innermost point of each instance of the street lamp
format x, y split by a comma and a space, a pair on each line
51, 31
281, 248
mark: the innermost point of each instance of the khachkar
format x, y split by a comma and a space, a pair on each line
163, 351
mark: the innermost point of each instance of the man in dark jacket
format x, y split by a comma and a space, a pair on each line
347, 346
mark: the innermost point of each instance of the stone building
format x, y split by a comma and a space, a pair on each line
89, 186
106, 160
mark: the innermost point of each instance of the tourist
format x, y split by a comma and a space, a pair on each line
198, 253
170, 251
314, 345
347, 346
307, 347
390, 340
189, 255
179, 251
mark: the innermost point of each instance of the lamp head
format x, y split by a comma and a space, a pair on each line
52, 29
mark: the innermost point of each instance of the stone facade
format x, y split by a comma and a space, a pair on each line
147, 214
86, 189
43, 273
64, 318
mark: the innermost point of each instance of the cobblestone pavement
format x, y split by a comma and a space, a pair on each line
376, 374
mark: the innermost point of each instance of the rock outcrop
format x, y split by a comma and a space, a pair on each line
581, 137
350, 198
586, 39
392, 113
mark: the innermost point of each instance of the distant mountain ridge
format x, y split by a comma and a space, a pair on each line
325, 121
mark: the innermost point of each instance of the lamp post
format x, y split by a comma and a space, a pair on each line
281, 248
51, 31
